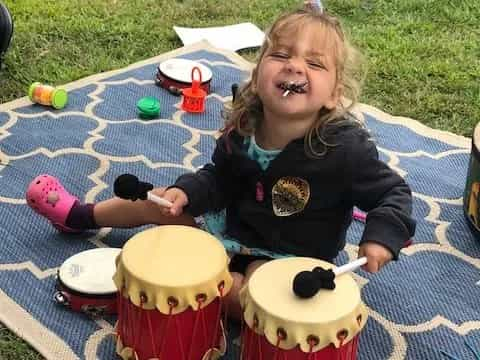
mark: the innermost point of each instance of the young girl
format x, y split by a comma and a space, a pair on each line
290, 164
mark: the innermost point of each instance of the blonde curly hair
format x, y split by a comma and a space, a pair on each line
247, 110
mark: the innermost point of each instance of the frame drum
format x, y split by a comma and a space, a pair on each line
176, 74
85, 284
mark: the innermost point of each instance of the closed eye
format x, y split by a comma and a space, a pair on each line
317, 65
279, 55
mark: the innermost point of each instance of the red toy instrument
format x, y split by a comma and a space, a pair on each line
279, 325
194, 97
170, 303
84, 282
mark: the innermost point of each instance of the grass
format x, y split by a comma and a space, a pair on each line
12, 347
423, 55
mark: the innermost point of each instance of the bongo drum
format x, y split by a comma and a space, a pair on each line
471, 196
176, 74
172, 279
280, 325
84, 282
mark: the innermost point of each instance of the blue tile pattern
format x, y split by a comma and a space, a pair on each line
425, 302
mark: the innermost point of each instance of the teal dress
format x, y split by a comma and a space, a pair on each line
215, 224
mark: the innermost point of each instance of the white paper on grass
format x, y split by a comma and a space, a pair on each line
231, 37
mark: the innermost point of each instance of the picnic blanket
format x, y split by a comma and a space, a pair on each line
426, 302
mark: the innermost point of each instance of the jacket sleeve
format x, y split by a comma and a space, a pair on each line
380, 191
207, 188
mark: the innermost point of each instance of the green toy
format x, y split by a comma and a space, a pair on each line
148, 107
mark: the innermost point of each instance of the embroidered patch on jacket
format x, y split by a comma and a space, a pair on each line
290, 196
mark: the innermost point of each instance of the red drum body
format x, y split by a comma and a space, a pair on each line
256, 347
170, 303
190, 334
278, 325
84, 282
176, 74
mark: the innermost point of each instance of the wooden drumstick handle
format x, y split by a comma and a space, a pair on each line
158, 200
350, 266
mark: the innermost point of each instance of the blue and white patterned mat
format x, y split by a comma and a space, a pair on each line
426, 302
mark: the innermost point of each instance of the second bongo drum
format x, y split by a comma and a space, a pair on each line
172, 280
280, 325
471, 196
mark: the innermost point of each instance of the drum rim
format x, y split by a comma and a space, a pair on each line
188, 60
61, 286
160, 72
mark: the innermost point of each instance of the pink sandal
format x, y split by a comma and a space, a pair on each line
46, 196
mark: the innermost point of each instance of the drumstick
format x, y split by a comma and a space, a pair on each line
157, 199
350, 266
307, 283
128, 187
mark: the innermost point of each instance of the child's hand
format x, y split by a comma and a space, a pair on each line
377, 256
176, 196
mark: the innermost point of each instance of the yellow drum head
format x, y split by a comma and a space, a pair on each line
173, 261
332, 316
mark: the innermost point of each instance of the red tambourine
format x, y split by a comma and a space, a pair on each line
84, 282
175, 75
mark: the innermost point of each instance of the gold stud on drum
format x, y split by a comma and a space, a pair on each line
201, 298
342, 334
281, 334
255, 321
143, 298
172, 302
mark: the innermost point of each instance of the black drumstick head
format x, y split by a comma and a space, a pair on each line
306, 284
127, 186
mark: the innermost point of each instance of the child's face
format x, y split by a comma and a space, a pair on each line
305, 56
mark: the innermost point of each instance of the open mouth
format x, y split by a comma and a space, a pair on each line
293, 87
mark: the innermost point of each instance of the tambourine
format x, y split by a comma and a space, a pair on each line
176, 74
85, 284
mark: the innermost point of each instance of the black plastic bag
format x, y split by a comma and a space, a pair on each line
6, 30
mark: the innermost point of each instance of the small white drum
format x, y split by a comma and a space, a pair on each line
280, 325
172, 280
176, 74
85, 284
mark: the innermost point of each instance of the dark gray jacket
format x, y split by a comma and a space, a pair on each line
349, 174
